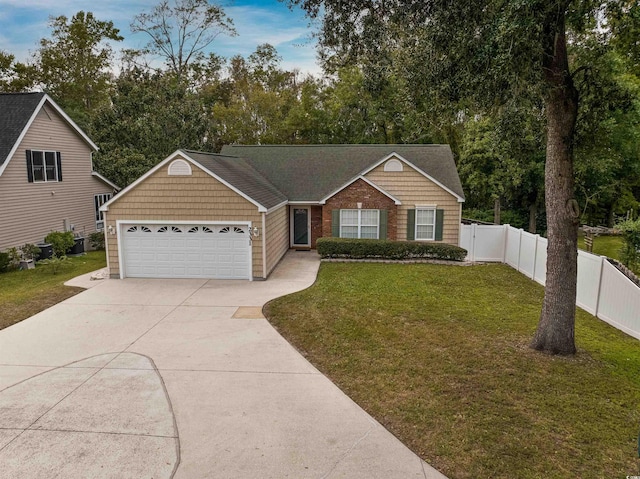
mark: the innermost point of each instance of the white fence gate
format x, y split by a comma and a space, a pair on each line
602, 290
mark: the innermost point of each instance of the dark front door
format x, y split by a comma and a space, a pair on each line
301, 227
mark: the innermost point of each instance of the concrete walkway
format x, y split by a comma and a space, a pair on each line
180, 378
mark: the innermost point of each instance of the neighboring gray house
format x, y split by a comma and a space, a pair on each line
47, 182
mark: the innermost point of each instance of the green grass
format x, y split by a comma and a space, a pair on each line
439, 355
609, 246
25, 293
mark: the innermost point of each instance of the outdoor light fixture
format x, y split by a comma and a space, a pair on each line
111, 230
256, 231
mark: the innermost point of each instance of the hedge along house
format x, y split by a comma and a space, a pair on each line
234, 215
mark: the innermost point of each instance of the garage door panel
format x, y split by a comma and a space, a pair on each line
186, 251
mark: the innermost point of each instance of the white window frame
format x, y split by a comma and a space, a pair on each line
98, 201
44, 166
435, 220
359, 224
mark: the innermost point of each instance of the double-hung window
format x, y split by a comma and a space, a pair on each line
360, 224
98, 201
44, 166
426, 223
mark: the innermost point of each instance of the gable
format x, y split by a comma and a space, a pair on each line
20, 113
307, 173
160, 189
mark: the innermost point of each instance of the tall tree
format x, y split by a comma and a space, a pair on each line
180, 32
74, 64
492, 52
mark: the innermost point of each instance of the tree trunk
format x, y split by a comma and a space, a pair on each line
496, 211
555, 332
533, 214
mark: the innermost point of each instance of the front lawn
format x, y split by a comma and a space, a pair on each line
25, 293
439, 355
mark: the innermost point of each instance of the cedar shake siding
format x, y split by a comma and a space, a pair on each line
360, 192
198, 197
31, 210
413, 188
276, 236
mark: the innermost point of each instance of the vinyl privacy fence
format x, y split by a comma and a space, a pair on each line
602, 289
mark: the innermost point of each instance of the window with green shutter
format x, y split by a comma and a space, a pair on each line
425, 224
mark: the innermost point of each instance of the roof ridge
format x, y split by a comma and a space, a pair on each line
341, 145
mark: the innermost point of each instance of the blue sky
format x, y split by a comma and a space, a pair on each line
24, 22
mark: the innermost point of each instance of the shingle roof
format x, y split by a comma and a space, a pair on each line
15, 111
240, 174
310, 172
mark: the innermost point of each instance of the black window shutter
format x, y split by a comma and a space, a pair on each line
383, 224
335, 223
411, 225
439, 224
59, 165
29, 167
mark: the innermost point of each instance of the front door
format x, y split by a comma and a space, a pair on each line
300, 222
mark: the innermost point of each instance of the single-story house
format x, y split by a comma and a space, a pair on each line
47, 182
234, 215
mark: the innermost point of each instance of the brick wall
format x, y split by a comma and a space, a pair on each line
316, 224
360, 192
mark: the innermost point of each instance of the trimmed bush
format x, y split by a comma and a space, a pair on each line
384, 249
60, 242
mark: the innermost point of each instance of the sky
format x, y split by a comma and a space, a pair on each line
24, 22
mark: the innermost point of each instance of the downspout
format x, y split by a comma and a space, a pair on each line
264, 246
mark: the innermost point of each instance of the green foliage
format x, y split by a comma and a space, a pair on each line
60, 242
630, 254
5, 262
96, 240
73, 65
383, 249
55, 264
14, 257
30, 251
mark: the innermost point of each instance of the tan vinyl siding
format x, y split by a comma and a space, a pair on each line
31, 210
277, 236
413, 188
199, 197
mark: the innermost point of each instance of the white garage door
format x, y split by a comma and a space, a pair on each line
186, 251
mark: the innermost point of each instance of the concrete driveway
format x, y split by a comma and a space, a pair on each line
180, 378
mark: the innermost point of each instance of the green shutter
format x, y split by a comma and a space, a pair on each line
411, 225
439, 224
383, 224
335, 223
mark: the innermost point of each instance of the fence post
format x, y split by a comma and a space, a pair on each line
473, 242
505, 243
535, 258
602, 260
519, 248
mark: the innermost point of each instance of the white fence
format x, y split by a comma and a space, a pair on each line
602, 290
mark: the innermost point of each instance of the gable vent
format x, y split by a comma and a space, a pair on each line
393, 165
179, 168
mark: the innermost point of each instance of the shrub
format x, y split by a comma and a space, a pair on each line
4, 262
55, 263
60, 242
630, 254
14, 258
384, 249
96, 240
30, 251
